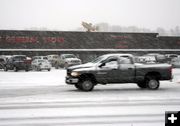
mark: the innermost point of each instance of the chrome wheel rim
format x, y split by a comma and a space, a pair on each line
153, 84
87, 85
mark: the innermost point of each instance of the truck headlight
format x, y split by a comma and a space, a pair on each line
75, 74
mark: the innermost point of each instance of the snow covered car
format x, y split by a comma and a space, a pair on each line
41, 64
146, 59
67, 60
53, 59
176, 62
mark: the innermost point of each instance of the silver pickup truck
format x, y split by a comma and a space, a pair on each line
117, 68
66, 60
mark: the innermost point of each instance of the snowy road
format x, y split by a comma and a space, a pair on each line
43, 99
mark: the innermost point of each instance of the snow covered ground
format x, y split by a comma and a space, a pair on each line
43, 99
56, 77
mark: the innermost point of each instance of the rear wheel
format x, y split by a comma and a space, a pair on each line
152, 83
86, 85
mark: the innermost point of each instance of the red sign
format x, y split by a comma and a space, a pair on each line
28, 39
21, 39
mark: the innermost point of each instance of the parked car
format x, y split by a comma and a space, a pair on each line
175, 62
53, 59
117, 68
169, 57
2, 62
66, 60
17, 62
146, 59
160, 58
41, 64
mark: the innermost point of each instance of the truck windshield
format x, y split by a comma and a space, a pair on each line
98, 59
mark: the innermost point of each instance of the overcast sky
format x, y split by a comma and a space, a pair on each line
68, 14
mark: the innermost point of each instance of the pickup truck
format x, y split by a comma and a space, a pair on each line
66, 60
117, 68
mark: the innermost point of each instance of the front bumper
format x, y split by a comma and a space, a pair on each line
70, 80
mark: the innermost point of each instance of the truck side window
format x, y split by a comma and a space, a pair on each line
112, 62
125, 61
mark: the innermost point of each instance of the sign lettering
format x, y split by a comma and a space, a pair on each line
33, 39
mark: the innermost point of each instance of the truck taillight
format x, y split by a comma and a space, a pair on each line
27, 61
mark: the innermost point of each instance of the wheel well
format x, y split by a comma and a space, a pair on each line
156, 75
88, 76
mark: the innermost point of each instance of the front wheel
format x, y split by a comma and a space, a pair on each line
152, 83
86, 85
77, 86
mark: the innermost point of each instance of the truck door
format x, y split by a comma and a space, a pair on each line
108, 70
126, 70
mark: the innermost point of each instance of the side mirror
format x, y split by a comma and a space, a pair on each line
101, 65
112, 67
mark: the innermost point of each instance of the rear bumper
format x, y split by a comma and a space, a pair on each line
170, 78
70, 80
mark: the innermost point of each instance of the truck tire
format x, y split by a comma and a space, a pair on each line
152, 83
77, 86
86, 85
142, 85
